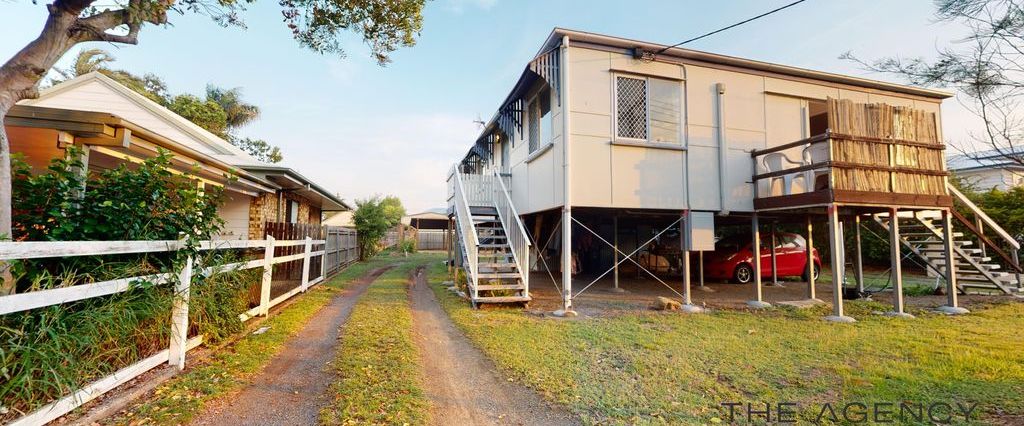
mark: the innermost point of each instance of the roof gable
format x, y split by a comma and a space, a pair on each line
97, 92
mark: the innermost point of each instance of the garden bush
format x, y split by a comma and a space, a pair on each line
49, 352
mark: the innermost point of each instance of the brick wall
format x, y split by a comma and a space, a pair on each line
264, 208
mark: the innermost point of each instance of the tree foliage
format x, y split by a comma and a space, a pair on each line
147, 201
239, 113
393, 209
258, 148
373, 218
203, 112
986, 68
1004, 207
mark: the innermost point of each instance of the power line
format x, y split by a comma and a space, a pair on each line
731, 26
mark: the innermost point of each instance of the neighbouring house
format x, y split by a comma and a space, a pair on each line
987, 170
114, 125
430, 229
609, 152
430, 219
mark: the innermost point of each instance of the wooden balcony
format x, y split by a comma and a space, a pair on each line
850, 170
874, 155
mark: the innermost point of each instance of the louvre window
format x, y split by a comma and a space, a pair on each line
648, 109
539, 116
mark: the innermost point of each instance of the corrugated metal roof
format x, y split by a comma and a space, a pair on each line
990, 159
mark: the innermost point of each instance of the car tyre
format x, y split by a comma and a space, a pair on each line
817, 273
744, 274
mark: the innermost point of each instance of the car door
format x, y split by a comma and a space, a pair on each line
790, 256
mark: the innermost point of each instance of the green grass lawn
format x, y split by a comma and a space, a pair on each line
185, 395
651, 368
379, 377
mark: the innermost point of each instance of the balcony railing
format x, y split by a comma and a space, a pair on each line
850, 169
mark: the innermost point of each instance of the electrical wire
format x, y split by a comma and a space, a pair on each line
730, 26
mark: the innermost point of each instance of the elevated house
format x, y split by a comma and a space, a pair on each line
114, 125
608, 148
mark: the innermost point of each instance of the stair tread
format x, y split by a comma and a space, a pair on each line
499, 275
483, 287
502, 299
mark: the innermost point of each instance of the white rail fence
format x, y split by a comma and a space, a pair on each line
180, 342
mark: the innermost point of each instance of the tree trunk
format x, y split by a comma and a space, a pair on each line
7, 284
19, 79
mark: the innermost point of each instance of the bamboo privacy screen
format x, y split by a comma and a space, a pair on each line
884, 148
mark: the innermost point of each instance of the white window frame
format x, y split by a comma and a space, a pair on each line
293, 213
541, 144
647, 107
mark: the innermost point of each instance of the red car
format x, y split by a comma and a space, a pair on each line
732, 258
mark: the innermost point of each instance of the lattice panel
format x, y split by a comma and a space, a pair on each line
631, 107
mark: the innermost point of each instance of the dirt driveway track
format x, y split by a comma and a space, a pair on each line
292, 389
463, 385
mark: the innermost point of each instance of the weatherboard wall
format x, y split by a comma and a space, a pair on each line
759, 111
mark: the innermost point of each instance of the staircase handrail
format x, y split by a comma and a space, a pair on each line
984, 217
515, 231
466, 227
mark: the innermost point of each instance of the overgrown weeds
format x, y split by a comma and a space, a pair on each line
49, 352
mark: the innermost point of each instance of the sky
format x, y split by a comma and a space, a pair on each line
359, 129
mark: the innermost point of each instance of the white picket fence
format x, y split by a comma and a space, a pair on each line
179, 343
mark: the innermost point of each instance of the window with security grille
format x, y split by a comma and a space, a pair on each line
648, 109
631, 107
539, 120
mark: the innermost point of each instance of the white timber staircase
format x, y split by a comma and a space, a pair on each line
492, 245
986, 262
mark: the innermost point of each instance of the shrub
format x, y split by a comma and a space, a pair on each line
373, 218
49, 352
408, 246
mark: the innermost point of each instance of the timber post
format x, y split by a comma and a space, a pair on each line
952, 306
179, 317
836, 247
896, 267
268, 276
755, 255
811, 291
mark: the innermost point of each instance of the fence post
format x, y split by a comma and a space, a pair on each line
268, 276
324, 257
305, 263
179, 317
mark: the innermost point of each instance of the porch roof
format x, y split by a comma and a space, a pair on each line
289, 179
91, 123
